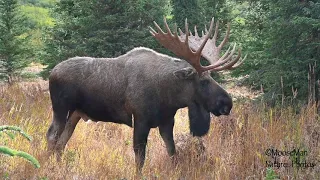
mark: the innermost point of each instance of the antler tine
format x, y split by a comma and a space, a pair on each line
206, 38
226, 37
223, 59
196, 31
214, 39
187, 32
230, 64
227, 52
230, 54
176, 45
167, 26
176, 30
152, 31
239, 62
199, 46
158, 27
176, 36
211, 51
180, 32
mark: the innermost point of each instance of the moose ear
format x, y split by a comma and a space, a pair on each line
185, 73
199, 119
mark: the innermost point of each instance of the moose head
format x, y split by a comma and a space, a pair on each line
209, 96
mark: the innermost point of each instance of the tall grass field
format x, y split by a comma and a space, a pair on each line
254, 142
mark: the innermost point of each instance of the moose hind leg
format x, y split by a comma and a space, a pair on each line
140, 137
166, 132
67, 132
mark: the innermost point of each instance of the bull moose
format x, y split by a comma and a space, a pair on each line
145, 85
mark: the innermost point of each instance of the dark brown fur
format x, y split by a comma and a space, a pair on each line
144, 84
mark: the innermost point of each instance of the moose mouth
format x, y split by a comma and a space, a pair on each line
216, 113
220, 112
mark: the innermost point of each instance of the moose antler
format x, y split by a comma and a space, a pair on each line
203, 46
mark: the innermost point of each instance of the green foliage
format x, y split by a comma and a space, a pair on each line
189, 9
271, 175
11, 152
6, 128
37, 17
39, 3
283, 39
100, 28
199, 12
14, 50
280, 37
219, 9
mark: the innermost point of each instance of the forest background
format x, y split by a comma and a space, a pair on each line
281, 38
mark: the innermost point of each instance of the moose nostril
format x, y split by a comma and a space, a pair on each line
225, 111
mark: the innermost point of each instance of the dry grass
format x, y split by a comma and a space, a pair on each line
235, 145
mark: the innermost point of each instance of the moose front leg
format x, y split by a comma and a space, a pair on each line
166, 132
67, 133
55, 130
140, 137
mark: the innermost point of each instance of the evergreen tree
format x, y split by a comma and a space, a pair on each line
103, 28
215, 8
199, 12
189, 9
288, 42
14, 50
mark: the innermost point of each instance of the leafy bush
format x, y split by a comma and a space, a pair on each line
271, 175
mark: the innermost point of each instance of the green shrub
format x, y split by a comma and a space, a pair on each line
271, 175
11, 152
